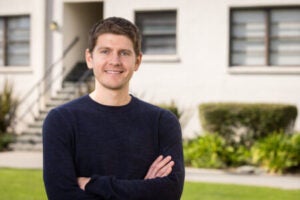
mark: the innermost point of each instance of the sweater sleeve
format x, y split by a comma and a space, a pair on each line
166, 188
59, 170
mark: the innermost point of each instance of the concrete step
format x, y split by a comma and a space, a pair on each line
33, 131
27, 147
31, 138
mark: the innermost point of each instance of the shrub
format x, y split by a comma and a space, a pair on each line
8, 106
204, 151
211, 151
5, 140
278, 152
237, 155
244, 123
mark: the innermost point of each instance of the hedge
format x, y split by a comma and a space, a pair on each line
245, 122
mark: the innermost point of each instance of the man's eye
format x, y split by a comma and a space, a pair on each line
104, 51
125, 53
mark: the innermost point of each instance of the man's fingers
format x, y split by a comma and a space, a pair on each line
150, 172
166, 170
160, 167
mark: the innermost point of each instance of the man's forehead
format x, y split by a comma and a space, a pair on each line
107, 42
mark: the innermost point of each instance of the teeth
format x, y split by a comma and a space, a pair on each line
113, 72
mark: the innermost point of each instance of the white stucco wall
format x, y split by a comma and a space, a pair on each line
23, 78
198, 73
202, 73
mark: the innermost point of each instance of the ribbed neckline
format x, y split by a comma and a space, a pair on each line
107, 108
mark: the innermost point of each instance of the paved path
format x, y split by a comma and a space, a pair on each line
218, 176
34, 160
14, 159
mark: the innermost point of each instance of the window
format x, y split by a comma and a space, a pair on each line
265, 37
158, 30
14, 41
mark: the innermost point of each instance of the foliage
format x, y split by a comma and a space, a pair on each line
237, 155
211, 151
277, 152
204, 151
244, 123
8, 107
5, 140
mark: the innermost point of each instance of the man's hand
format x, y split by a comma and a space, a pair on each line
82, 181
161, 167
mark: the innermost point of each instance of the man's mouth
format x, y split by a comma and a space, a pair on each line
113, 71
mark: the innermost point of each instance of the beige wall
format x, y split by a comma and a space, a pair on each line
23, 78
200, 72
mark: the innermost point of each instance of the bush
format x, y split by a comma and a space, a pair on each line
211, 151
204, 151
8, 107
278, 152
237, 155
244, 123
5, 140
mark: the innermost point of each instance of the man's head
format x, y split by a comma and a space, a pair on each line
118, 26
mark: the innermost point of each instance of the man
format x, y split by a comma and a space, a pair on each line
109, 144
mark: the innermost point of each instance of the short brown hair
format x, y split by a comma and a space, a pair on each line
115, 25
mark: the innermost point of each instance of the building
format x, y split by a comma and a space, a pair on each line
194, 51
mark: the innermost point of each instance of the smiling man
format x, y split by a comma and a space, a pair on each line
110, 144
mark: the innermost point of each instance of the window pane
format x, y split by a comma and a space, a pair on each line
285, 37
18, 41
248, 37
159, 45
158, 31
17, 60
250, 59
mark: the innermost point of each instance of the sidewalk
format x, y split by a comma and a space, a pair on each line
34, 160
218, 176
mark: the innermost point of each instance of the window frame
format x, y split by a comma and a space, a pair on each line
5, 44
267, 42
161, 57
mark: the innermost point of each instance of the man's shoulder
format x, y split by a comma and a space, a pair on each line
73, 105
153, 108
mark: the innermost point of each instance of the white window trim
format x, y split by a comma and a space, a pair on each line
160, 58
16, 69
263, 70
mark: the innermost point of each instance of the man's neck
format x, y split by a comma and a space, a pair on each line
111, 97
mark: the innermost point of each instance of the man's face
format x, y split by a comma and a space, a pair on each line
113, 61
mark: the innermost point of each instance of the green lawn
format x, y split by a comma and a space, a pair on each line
208, 191
18, 184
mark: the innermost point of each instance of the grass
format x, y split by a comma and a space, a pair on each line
209, 191
20, 184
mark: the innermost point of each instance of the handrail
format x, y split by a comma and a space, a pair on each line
43, 78
83, 79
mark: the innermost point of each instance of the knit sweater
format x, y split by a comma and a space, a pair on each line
115, 146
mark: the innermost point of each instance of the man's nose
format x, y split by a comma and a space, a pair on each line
115, 59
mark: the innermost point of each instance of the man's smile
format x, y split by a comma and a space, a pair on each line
114, 71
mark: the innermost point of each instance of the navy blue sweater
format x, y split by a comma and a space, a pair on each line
113, 145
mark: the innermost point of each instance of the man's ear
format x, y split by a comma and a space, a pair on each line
138, 61
89, 58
